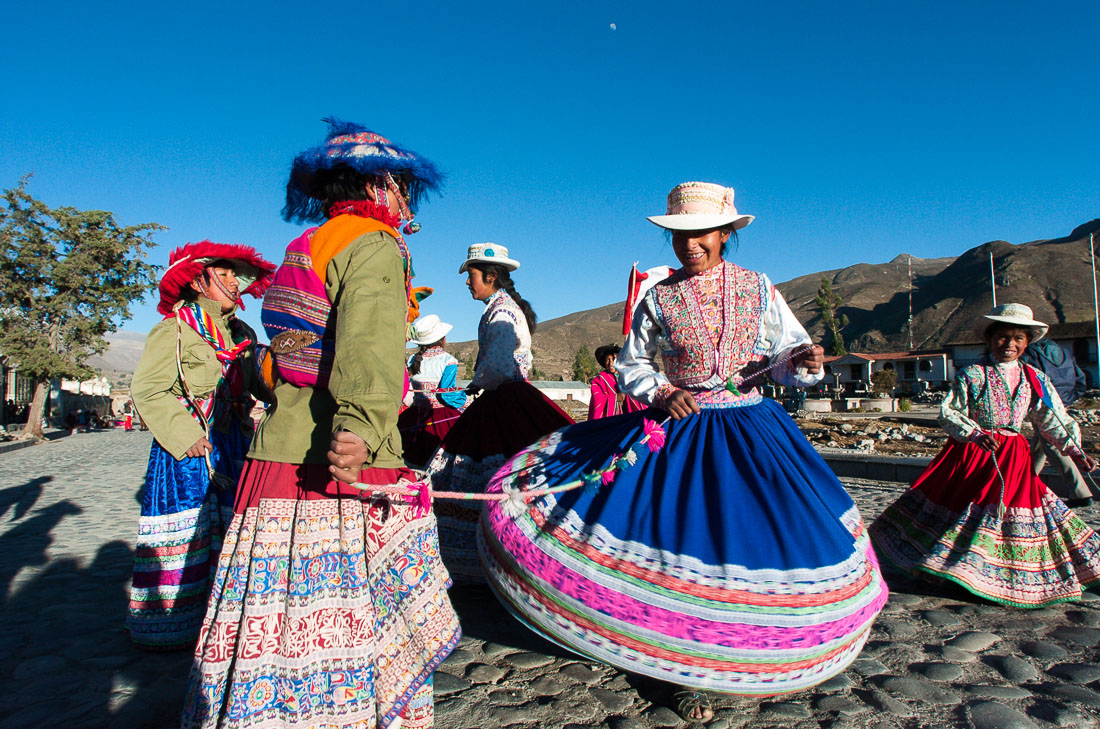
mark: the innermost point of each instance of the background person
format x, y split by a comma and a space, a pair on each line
435, 401
1067, 378
508, 414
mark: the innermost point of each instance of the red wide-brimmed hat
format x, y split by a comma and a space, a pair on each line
254, 272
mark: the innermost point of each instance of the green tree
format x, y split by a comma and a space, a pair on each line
829, 302
883, 381
67, 277
585, 366
468, 365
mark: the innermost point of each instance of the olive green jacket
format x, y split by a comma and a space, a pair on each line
156, 387
365, 281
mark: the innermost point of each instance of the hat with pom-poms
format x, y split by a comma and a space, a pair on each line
352, 145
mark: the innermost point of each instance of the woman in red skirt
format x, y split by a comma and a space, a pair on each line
509, 413
977, 515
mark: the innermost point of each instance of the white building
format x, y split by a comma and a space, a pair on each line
916, 371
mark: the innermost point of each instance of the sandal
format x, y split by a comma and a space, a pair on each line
694, 706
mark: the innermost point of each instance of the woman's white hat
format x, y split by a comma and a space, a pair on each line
1017, 315
700, 206
429, 328
488, 253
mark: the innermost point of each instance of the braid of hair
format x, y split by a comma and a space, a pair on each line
504, 280
418, 358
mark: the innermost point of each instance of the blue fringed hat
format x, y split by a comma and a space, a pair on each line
352, 145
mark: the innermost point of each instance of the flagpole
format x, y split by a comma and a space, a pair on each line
992, 276
1095, 305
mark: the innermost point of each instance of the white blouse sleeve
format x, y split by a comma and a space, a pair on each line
637, 372
781, 334
955, 412
496, 363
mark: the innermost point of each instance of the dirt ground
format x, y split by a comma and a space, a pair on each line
915, 439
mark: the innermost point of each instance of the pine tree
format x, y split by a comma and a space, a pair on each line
67, 277
585, 366
829, 302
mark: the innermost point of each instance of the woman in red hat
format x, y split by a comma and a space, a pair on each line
193, 387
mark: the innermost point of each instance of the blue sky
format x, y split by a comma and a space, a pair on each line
853, 131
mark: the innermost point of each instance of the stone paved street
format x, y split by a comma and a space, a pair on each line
68, 515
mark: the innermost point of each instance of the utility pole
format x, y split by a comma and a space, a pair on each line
992, 275
909, 261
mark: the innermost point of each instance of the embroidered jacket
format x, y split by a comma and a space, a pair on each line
998, 397
365, 280
156, 387
503, 343
708, 328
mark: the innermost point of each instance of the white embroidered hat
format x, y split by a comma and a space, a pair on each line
1016, 314
429, 328
700, 206
488, 253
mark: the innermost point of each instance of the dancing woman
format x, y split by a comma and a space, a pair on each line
723, 554
978, 515
193, 387
509, 413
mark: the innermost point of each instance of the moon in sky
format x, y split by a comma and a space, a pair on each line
612, 26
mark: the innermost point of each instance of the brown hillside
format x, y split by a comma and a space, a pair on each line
1051, 276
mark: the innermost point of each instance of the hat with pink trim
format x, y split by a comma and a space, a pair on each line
700, 206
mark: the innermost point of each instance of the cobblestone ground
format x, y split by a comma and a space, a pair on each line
936, 657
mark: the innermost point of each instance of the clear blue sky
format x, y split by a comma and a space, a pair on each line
853, 131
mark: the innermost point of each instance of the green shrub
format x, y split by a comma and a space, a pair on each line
905, 405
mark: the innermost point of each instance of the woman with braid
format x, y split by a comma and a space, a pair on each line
509, 412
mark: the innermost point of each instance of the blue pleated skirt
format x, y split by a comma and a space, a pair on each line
730, 559
183, 519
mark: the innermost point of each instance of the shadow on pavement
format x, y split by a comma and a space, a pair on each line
23, 497
71, 663
484, 618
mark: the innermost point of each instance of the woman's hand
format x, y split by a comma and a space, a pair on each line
987, 442
681, 404
811, 360
347, 453
201, 448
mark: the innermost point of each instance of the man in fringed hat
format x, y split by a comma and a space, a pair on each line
193, 387
330, 606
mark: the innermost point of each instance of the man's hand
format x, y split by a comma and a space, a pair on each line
347, 453
201, 448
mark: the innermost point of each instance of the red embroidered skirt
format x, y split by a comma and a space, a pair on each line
327, 609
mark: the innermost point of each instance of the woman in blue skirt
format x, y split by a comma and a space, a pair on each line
194, 388
717, 551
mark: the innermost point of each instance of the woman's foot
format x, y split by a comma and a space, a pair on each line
693, 705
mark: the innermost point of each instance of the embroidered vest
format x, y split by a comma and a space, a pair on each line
297, 314
689, 354
989, 402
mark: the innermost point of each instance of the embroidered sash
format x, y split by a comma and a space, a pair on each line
228, 394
